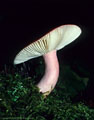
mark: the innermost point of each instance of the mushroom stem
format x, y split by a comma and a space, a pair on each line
51, 75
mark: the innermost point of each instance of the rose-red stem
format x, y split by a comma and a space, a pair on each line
50, 77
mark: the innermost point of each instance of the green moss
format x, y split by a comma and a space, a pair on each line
20, 98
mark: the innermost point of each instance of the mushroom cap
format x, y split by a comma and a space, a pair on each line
53, 40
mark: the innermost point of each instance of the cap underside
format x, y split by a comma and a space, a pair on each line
54, 40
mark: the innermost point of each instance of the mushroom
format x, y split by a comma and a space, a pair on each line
47, 46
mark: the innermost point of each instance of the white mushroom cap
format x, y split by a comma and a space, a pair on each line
54, 40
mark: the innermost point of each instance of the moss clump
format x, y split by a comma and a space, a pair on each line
20, 99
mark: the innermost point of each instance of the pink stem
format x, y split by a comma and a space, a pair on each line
50, 77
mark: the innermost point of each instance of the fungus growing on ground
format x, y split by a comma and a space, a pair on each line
48, 46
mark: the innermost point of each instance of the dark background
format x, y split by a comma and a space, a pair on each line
22, 22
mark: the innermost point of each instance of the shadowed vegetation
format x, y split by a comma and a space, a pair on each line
19, 97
